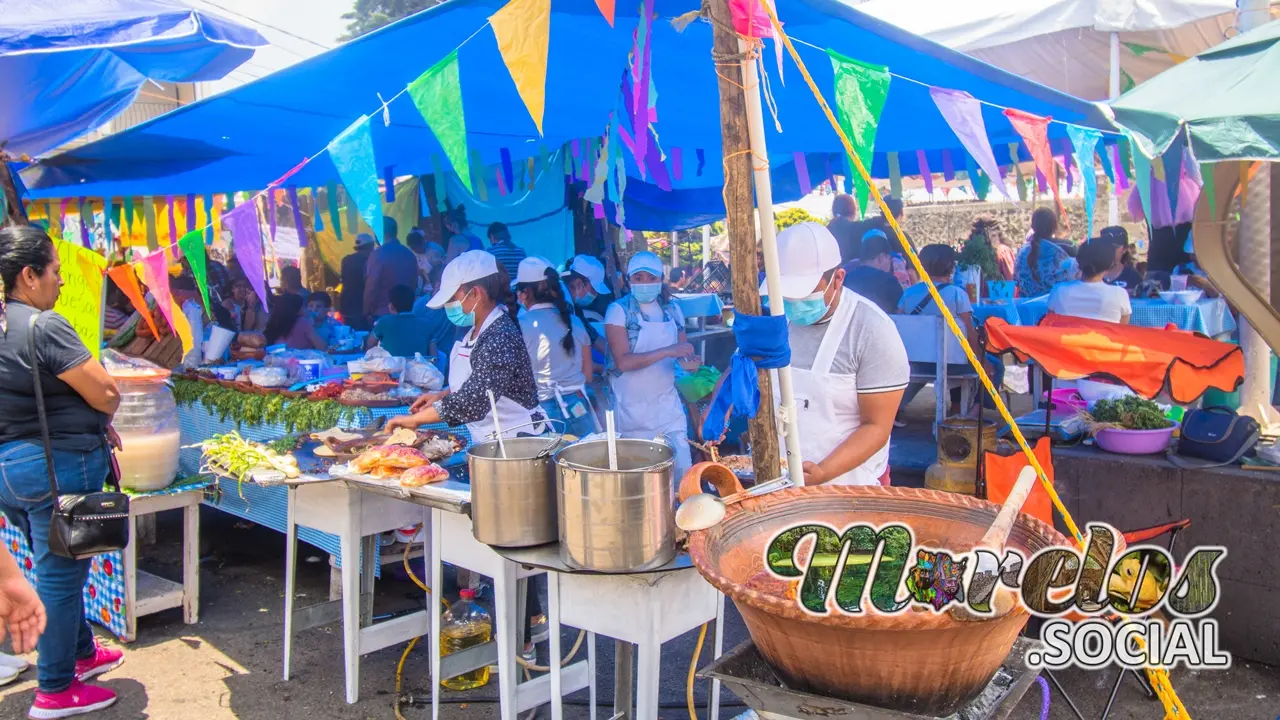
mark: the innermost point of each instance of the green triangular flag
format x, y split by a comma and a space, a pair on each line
437, 93
149, 216
1126, 157
335, 220
895, 175
481, 189
192, 246
317, 217
208, 213
439, 178
128, 214
860, 92
1017, 169
1209, 189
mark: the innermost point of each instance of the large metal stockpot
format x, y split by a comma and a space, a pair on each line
513, 498
616, 521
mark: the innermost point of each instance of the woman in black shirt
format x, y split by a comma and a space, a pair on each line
80, 399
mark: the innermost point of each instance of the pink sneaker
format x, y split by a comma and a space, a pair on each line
104, 659
75, 700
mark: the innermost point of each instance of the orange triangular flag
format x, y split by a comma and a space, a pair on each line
127, 281
606, 9
523, 30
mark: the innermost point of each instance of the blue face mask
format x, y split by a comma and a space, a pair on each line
807, 310
453, 310
646, 292
585, 300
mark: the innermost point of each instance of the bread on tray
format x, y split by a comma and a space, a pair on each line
423, 475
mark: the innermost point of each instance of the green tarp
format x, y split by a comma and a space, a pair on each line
1227, 98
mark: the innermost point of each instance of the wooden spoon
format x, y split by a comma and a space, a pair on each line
1004, 599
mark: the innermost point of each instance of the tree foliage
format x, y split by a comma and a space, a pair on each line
369, 15
792, 216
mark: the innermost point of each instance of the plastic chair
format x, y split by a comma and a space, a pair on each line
927, 339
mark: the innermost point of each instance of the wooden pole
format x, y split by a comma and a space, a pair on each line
740, 219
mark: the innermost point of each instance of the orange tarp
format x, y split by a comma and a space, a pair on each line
1147, 360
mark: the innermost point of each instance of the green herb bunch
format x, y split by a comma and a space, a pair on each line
297, 415
1129, 413
977, 252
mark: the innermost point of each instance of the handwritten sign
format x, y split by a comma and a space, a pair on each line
80, 300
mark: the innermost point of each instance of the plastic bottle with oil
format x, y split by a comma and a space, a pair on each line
462, 626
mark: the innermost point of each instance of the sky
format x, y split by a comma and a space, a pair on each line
318, 21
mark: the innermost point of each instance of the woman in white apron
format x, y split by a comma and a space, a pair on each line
646, 338
848, 364
490, 357
558, 347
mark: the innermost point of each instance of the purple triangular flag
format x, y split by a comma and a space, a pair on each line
802, 173
246, 240
389, 180
677, 164
948, 168
963, 114
923, 161
191, 212
297, 216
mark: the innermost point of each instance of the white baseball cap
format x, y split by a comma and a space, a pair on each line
805, 253
532, 270
644, 260
589, 268
467, 267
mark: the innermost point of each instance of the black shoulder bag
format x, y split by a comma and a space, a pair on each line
83, 524
1214, 437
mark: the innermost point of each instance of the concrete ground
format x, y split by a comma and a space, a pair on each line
229, 665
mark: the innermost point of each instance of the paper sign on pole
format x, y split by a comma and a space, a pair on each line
80, 300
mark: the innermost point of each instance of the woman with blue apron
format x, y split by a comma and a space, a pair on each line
646, 337
558, 347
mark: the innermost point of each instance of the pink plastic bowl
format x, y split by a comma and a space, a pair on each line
1135, 442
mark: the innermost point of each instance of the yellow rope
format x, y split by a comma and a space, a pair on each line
693, 668
1159, 678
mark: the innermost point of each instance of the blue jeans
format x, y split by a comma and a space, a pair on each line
26, 499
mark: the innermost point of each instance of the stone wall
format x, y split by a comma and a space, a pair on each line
950, 222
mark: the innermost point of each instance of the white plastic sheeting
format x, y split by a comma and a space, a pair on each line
1065, 44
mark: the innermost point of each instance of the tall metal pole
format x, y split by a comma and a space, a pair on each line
769, 245
1254, 247
1113, 206
706, 245
739, 157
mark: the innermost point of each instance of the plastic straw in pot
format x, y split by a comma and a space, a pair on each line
493, 405
612, 434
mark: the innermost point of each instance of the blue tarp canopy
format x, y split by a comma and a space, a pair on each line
68, 66
245, 138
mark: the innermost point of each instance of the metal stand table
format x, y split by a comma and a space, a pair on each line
644, 609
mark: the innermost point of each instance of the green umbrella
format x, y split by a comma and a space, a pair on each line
1225, 98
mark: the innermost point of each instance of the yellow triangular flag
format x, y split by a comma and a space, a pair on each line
523, 30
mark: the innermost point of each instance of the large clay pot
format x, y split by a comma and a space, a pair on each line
918, 661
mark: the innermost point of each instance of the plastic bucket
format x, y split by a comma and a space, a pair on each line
216, 346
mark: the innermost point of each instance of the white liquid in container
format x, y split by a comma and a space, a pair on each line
148, 460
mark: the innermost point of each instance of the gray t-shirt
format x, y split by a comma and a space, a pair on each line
871, 349
543, 330
73, 424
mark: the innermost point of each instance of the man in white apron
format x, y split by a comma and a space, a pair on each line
848, 364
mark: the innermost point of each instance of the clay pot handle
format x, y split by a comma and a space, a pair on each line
720, 477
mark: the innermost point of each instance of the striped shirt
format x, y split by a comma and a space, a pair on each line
509, 256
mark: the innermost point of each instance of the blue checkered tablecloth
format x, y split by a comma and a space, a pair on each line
104, 593
1210, 317
269, 506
